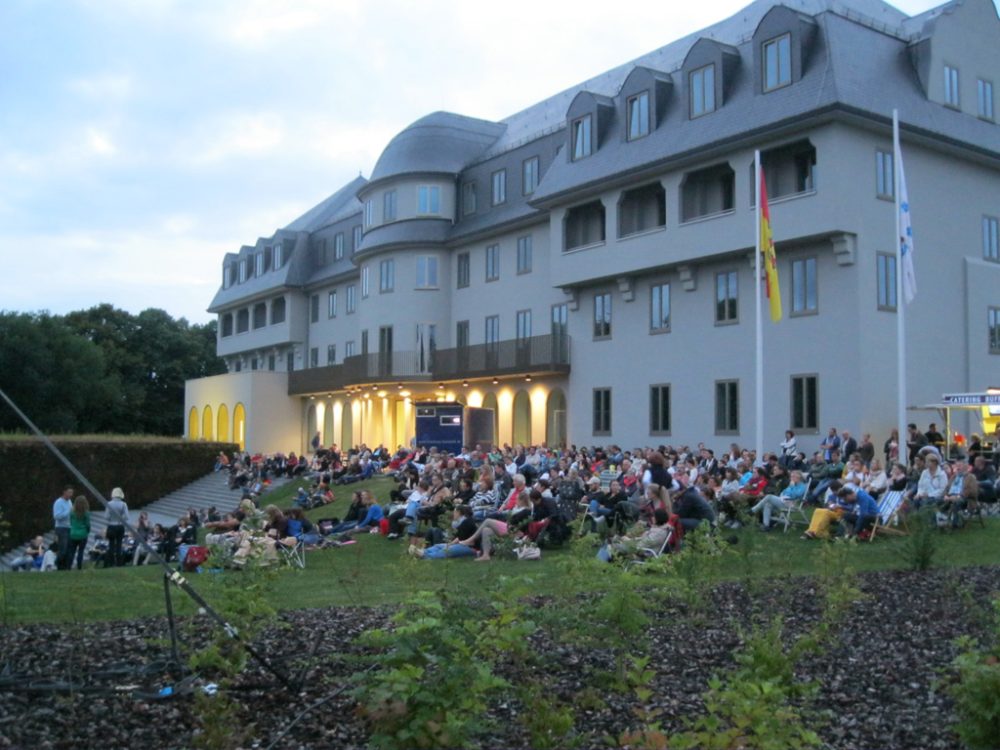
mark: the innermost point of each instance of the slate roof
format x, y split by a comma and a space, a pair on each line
339, 205
440, 142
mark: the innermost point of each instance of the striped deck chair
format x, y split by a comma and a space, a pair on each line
888, 509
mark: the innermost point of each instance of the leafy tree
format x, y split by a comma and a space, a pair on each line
56, 377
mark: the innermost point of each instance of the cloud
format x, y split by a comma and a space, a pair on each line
99, 142
233, 134
104, 86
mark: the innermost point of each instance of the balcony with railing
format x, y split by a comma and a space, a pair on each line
537, 355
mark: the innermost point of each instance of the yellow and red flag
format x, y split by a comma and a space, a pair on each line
767, 250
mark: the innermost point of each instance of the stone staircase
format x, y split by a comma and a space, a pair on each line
200, 494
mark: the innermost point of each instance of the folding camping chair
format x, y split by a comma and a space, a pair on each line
796, 511
644, 554
293, 554
889, 507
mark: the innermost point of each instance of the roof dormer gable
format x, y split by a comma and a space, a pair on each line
709, 69
782, 45
642, 101
589, 118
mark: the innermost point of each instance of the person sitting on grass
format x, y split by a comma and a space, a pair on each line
464, 527
31, 559
483, 537
373, 517
300, 527
690, 506
651, 538
795, 492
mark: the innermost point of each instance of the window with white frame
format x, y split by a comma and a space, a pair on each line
365, 280
492, 262
314, 357
338, 246
951, 97
356, 237
984, 96
777, 62
524, 254
349, 349
701, 86
331, 304
523, 330
352, 302
804, 286
331, 354
258, 261
369, 212
582, 144
498, 192
279, 256
427, 272
492, 333
659, 308
386, 276
243, 270
529, 175
637, 109
428, 199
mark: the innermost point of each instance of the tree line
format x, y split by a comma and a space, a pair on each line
102, 370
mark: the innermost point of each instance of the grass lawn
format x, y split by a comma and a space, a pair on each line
376, 571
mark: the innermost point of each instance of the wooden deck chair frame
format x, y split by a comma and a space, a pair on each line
294, 556
798, 508
889, 506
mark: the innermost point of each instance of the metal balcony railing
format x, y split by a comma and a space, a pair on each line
535, 355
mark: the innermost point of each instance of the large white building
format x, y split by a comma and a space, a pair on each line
585, 267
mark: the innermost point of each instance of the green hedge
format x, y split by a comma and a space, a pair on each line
33, 477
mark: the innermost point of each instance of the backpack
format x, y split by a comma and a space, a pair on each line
194, 558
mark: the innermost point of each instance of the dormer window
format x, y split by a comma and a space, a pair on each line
701, 83
984, 92
582, 129
356, 237
243, 270
638, 115
338, 246
777, 62
499, 183
951, 86
279, 256
228, 275
369, 212
468, 198
529, 175
258, 260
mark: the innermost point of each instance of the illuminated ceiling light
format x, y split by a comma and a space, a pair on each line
465, 383
374, 386
495, 381
527, 378
405, 394
312, 398
381, 394
399, 386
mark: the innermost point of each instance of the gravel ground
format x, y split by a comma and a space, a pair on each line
877, 678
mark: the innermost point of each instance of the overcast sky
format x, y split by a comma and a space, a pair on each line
141, 140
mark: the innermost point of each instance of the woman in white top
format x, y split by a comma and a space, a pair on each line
788, 448
877, 481
933, 482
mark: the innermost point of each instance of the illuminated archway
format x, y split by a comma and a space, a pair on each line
555, 418
490, 402
207, 425
193, 423
522, 418
347, 428
240, 426
328, 436
222, 424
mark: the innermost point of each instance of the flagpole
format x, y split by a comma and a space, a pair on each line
900, 299
759, 422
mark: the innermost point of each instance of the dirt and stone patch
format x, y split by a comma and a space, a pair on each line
879, 676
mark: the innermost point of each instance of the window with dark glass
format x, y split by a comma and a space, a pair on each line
356, 237
314, 357
386, 276
805, 405
492, 262
259, 315
584, 225
313, 308
659, 409
993, 323
352, 301
331, 304
278, 310
602, 411
984, 96
524, 254
462, 271
659, 308
991, 238
389, 206
727, 406
331, 354
468, 198
338, 246
951, 97
498, 194
804, 286
523, 324
886, 278
885, 177
602, 316
642, 209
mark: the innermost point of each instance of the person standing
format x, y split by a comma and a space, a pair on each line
79, 531
117, 518
61, 509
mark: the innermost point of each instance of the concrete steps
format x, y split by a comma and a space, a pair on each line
200, 494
